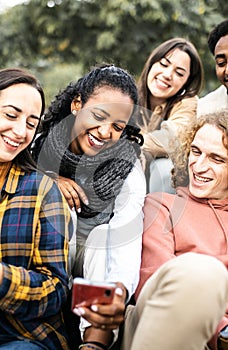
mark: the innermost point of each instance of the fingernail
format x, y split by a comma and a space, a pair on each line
76, 311
79, 210
86, 202
94, 308
73, 208
119, 291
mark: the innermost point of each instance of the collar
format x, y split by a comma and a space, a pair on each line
12, 180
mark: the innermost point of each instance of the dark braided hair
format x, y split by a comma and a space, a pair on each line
99, 76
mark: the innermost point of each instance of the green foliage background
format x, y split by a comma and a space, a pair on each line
60, 39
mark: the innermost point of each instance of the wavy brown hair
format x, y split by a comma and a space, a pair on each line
192, 86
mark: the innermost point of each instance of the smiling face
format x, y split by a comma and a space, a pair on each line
221, 60
208, 164
101, 121
20, 108
167, 76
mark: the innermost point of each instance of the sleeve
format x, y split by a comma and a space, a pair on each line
157, 142
124, 232
158, 238
40, 289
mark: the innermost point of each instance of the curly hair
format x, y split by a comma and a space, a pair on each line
180, 156
99, 76
219, 31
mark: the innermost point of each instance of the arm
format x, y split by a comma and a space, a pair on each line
158, 238
156, 142
122, 261
124, 230
39, 289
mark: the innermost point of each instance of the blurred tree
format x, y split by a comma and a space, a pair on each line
43, 33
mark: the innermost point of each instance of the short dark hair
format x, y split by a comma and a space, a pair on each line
219, 31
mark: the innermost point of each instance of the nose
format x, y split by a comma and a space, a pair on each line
168, 72
19, 128
201, 164
104, 131
226, 69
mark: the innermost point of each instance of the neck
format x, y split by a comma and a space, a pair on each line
156, 101
4, 169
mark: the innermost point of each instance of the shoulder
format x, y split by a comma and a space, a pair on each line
214, 100
162, 200
186, 103
37, 183
220, 91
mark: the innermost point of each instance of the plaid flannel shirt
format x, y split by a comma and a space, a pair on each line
35, 224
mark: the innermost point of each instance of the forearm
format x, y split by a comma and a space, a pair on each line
22, 291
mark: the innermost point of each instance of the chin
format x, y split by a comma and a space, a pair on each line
199, 193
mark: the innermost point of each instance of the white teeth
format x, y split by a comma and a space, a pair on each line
95, 141
203, 179
10, 142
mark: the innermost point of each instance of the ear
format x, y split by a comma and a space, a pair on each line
76, 104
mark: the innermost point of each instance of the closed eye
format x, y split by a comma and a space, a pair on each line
11, 116
118, 127
163, 64
217, 159
221, 63
195, 151
31, 125
179, 74
98, 117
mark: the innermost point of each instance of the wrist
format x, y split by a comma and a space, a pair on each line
93, 345
97, 335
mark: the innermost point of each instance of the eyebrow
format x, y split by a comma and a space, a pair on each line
19, 110
108, 115
171, 63
220, 55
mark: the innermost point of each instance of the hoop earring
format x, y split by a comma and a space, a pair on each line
183, 92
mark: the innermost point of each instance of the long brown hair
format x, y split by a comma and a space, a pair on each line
13, 76
191, 88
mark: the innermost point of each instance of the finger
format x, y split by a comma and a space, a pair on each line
120, 293
81, 194
72, 201
75, 199
97, 320
114, 310
71, 187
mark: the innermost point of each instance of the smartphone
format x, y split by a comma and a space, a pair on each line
86, 292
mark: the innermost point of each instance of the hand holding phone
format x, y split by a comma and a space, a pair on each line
86, 292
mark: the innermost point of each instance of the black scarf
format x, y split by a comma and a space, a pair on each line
101, 176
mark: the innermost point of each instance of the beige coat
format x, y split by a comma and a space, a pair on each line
159, 131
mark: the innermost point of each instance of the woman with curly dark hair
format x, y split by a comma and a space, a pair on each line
90, 141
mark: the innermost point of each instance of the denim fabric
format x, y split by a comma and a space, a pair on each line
21, 345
